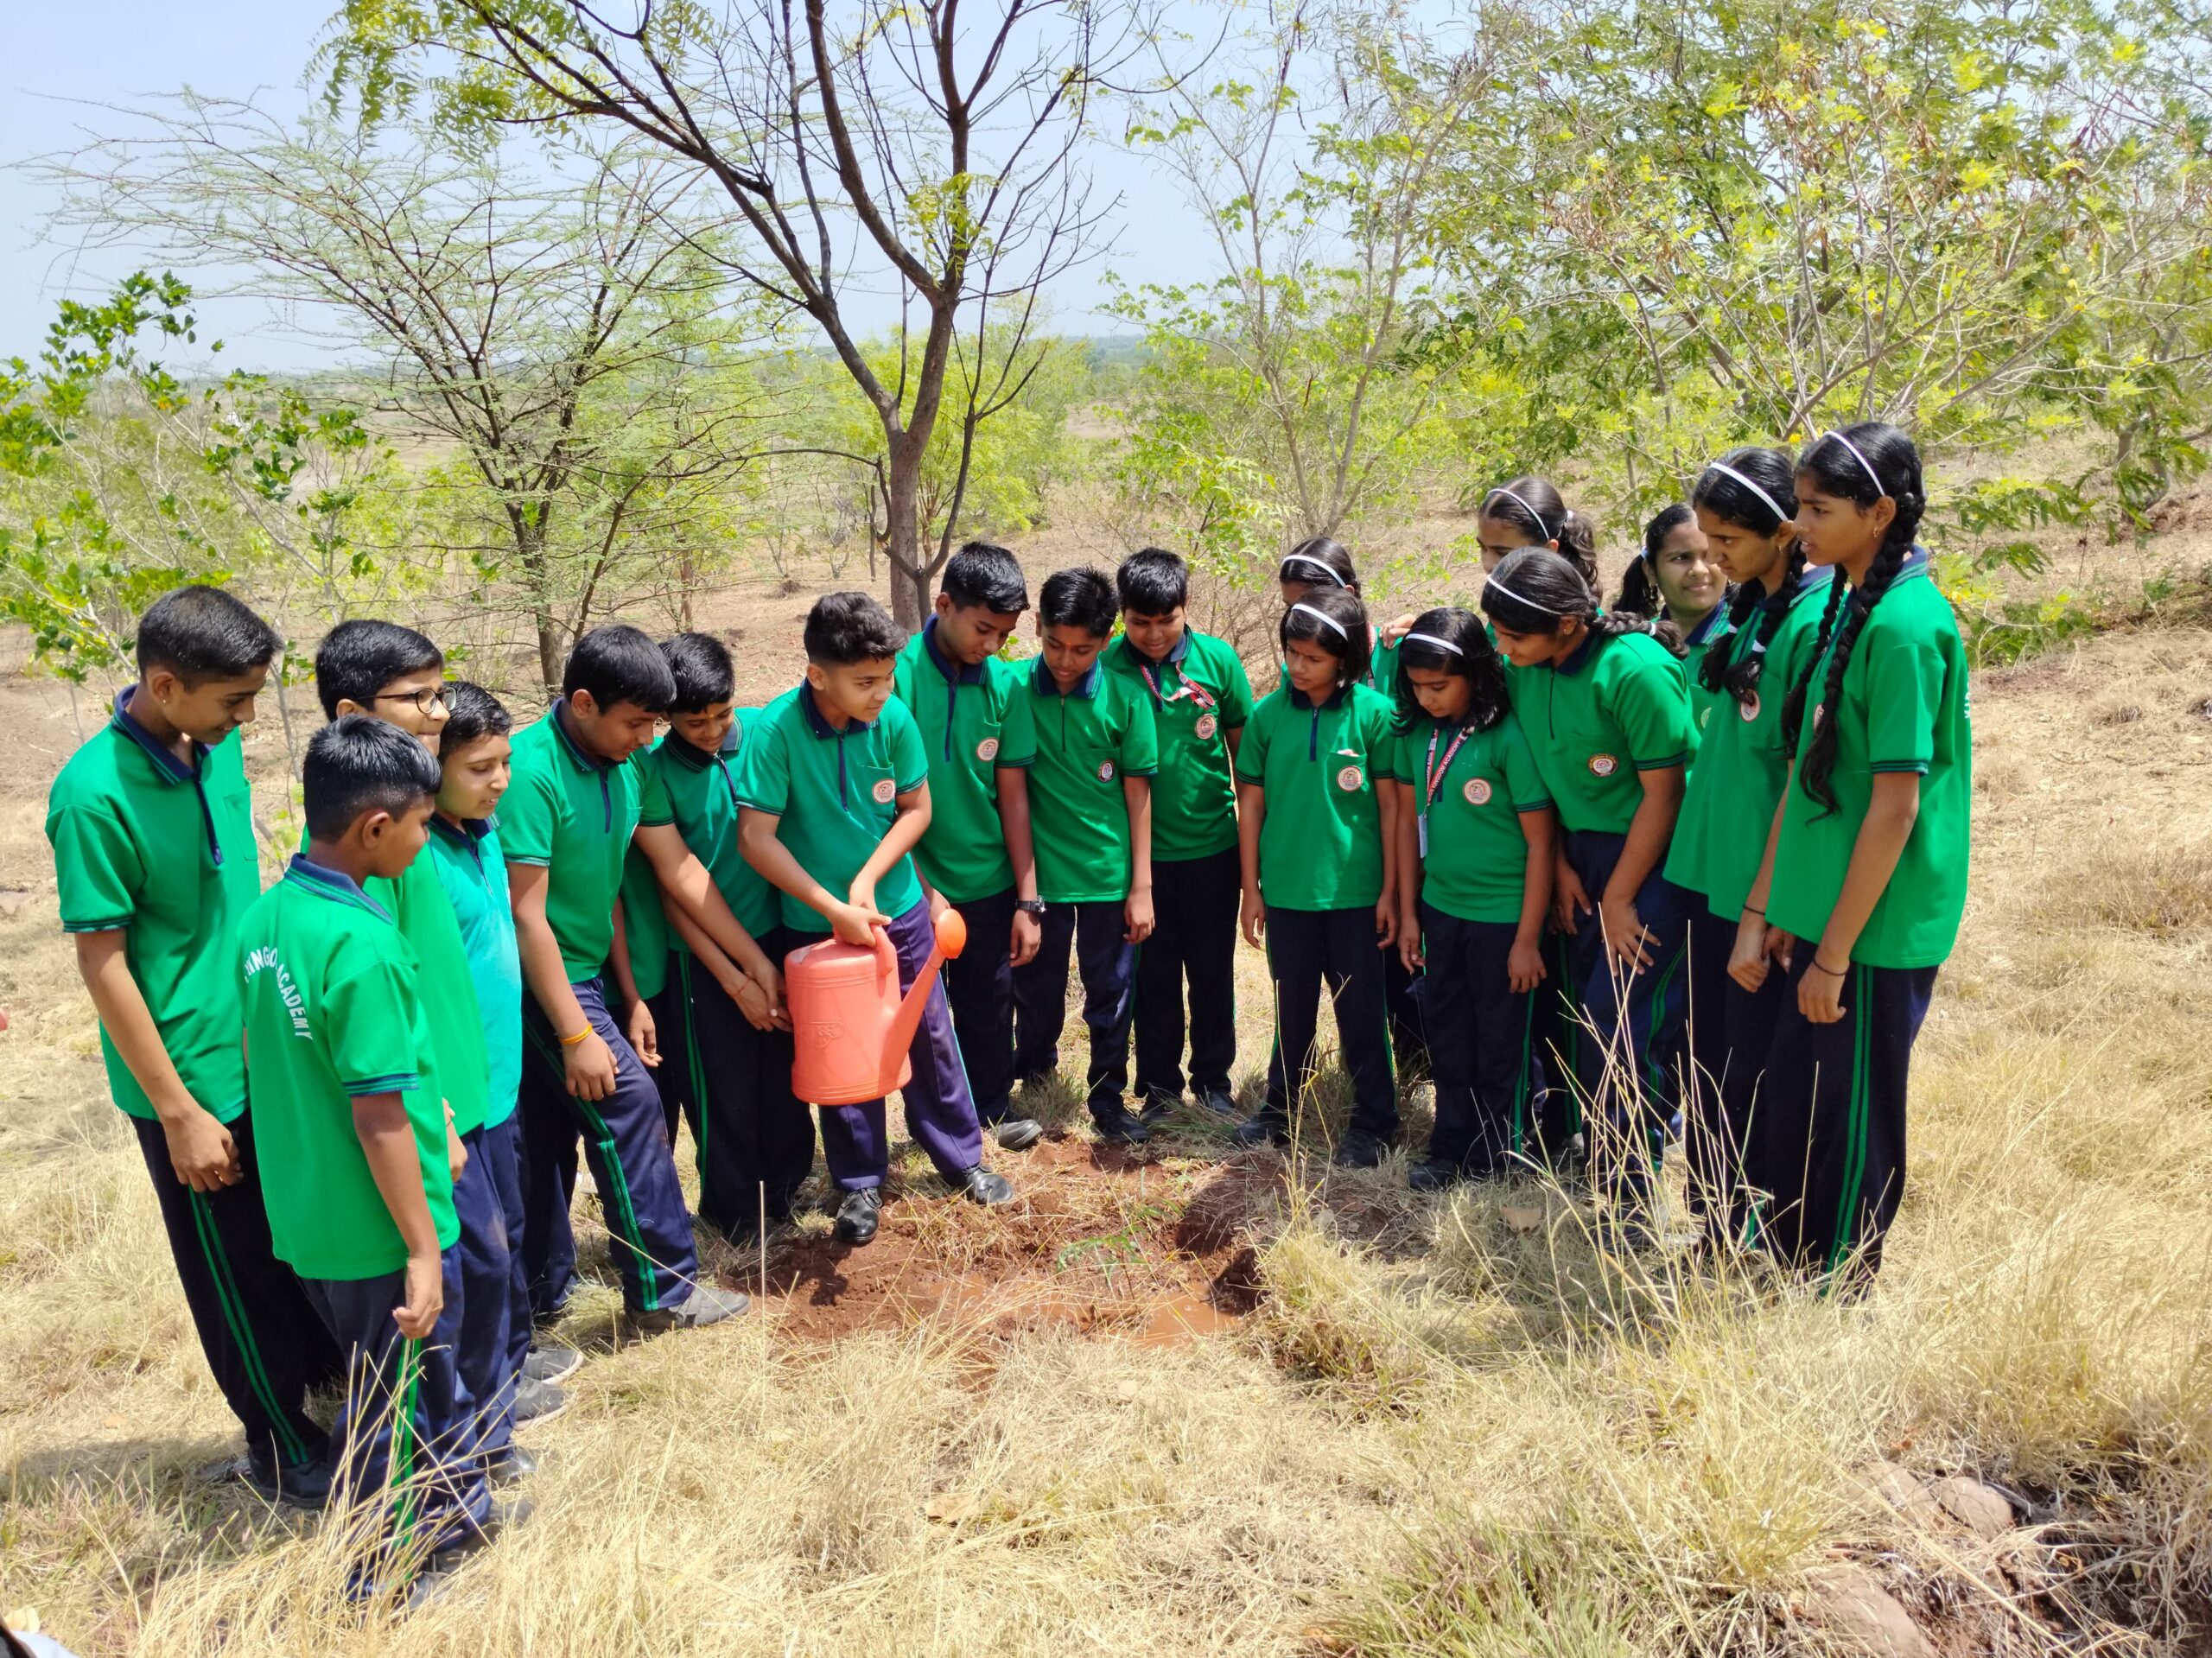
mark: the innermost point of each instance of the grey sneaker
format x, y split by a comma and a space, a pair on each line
707, 1303
550, 1361
537, 1401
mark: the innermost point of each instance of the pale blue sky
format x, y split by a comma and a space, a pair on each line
65, 62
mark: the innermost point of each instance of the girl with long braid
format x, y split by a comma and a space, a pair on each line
1745, 504
1602, 700
1865, 875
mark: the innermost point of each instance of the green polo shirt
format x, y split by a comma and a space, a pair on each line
973, 721
571, 814
836, 791
698, 792
458, 1068
1617, 705
646, 931
333, 1011
1703, 702
473, 871
1321, 841
1199, 696
1741, 764
1470, 798
1903, 707
1087, 741
163, 851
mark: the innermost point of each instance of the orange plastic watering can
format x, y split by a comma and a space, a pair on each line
850, 1026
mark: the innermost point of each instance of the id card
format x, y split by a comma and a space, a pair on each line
1421, 823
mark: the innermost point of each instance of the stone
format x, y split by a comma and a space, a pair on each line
1904, 1491
1862, 1616
1521, 1217
1984, 1512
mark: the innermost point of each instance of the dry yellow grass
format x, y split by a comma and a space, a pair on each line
1442, 1434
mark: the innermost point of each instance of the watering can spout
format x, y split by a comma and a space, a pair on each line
951, 939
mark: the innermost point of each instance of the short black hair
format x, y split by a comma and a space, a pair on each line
701, 665
472, 715
200, 633
844, 628
1082, 598
619, 664
1153, 581
359, 764
358, 659
981, 576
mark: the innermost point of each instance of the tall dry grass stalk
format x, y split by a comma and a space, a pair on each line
1445, 1431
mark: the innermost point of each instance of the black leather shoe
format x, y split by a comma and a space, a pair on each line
1158, 1108
1357, 1151
513, 1467
1432, 1176
1262, 1130
857, 1216
1220, 1102
980, 1185
1017, 1133
1118, 1127
507, 1512
307, 1487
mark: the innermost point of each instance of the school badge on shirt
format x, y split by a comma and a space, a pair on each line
1106, 771
1603, 765
1349, 778
1205, 726
1476, 791
988, 750
884, 791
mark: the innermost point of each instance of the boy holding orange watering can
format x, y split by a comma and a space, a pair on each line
833, 791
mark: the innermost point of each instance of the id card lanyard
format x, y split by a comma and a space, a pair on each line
1208, 724
1433, 777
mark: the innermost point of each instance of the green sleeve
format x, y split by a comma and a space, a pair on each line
528, 813
902, 672
764, 774
97, 870
1524, 785
1252, 752
909, 757
1651, 705
1237, 690
1140, 735
1905, 693
1386, 749
654, 807
364, 1020
1018, 731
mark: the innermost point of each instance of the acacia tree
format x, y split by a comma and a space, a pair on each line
548, 327
945, 146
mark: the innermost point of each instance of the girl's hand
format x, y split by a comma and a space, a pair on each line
753, 1001
1780, 947
1136, 914
1819, 993
1626, 941
1524, 968
1252, 918
1747, 962
1397, 628
644, 1035
1568, 898
1409, 950
1386, 922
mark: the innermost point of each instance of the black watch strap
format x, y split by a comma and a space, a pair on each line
1030, 906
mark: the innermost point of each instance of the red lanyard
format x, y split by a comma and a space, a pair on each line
1436, 779
1189, 687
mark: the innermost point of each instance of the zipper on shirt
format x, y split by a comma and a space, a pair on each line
844, 801
951, 697
606, 802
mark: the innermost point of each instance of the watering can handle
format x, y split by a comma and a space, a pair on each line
886, 953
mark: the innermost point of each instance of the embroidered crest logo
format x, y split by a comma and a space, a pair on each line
1106, 771
1350, 778
987, 749
1206, 727
1603, 765
1477, 791
884, 791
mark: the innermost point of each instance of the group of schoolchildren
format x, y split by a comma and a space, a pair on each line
1583, 881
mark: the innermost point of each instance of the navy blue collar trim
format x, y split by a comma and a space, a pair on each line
331, 885
1174, 658
1048, 686
583, 761
821, 727
1707, 623
964, 673
1300, 700
172, 769
1579, 658
689, 755
472, 829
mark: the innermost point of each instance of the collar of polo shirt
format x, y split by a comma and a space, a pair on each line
578, 756
1300, 700
172, 769
1088, 686
820, 726
967, 673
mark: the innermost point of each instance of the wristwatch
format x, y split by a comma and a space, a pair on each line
1030, 906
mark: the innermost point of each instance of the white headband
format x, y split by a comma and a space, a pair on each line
1315, 565
1431, 638
1880, 488
1520, 598
1752, 485
1323, 615
1525, 507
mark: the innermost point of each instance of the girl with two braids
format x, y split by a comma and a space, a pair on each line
1745, 504
1857, 898
1602, 702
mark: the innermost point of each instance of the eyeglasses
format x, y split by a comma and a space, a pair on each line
430, 696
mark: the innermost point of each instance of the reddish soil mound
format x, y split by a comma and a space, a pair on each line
1097, 1239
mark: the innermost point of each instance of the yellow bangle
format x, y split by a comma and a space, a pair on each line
571, 1041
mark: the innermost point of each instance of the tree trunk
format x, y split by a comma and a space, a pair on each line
910, 599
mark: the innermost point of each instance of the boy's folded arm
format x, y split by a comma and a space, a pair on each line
910, 821
387, 1137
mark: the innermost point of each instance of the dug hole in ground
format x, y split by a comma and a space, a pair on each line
1183, 1400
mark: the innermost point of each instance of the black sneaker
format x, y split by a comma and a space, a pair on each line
980, 1185
550, 1361
1117, 1126
307, 1487
857, 1216
1219, 1101
1158, 1108
1358, 1150
1433, 1175
1262, 1130
1017, 1133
